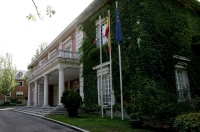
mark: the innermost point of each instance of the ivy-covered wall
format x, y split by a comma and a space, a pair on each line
165, 28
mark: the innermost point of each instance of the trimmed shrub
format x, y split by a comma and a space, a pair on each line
188, 122
72, 101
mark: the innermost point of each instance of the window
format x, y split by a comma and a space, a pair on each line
52, 53
105, 89
69, 51
182, 84
79, 38
9, 94
100, 32
19, 94
42, 62
68, 47
20, 83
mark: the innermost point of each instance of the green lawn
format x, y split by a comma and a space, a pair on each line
95, 123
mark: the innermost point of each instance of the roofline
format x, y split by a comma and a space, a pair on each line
56, 40
85, 14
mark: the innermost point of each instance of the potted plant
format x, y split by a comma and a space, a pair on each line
71, 100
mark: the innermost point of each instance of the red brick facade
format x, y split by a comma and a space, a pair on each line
19, 92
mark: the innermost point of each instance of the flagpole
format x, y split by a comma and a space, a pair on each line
120, 71
110, 51
101, 65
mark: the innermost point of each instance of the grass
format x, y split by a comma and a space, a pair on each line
95, 123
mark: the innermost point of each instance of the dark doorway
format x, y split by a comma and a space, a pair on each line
50, 95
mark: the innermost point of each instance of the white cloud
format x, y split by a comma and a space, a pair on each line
21, 37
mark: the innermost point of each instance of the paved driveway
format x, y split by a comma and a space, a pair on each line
11, 121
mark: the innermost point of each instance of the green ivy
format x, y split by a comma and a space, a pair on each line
166, 28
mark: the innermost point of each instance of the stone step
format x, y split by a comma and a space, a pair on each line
43, 111
35, 110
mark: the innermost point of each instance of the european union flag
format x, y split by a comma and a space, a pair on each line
118, 27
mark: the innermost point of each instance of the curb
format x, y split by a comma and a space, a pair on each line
64, 124
55, 121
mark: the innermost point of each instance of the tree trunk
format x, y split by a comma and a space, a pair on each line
5, 99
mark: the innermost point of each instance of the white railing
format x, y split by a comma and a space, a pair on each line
68, 54
58, 54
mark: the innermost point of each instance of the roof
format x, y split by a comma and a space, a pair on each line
20, 74
91, 9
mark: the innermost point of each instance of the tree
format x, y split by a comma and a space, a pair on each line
7, 75
41, 48
49, 12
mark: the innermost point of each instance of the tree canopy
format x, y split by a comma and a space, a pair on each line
38, 51
49, 12
7, 74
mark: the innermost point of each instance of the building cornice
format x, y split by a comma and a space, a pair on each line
72, 26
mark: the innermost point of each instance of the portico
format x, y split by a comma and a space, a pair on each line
50, 79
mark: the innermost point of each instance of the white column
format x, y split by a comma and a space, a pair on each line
99, 93
36, 94
46, 91
61, 85
29, 95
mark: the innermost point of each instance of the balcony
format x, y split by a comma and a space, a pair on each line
56, 57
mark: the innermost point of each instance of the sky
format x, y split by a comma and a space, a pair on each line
21, 37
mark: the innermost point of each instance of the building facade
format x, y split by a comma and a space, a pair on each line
21, 90
56, 68
152, 65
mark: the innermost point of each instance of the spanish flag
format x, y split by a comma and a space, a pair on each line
107, 32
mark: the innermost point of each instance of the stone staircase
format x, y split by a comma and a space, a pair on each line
59, 111
40, 111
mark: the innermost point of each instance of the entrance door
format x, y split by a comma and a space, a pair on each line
50, 95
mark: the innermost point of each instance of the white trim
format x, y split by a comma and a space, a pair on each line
180, 66
99, 91
100, 32
52, 52
21, 82
79, 38
181, 58
19, 93
42, 61
60, 46
68, 39
8, 95
59, 38
105, 73
103, 65
182, 84
67, 44
102, 21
